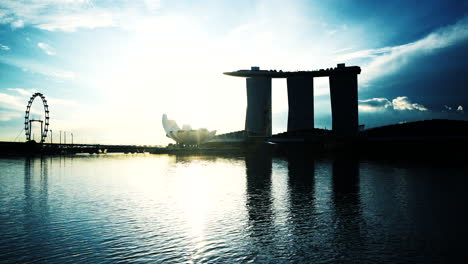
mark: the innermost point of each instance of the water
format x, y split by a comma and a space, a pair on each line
168, 209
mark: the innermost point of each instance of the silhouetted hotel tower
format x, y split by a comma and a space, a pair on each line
343, 96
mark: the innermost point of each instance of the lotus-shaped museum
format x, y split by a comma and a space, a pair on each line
186, 135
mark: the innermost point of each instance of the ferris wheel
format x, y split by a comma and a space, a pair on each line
44, 123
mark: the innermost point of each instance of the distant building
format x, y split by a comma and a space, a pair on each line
186, 135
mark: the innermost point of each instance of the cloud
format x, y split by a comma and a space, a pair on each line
341, 50
26, 93
54, 74
55, 101
4, 47
457, 109
13, 102
46, 48
382, 111
152, 4
89, 19
69, 15
62, 75
369, 53
387, 60
9, 115
17, 24
374, 104
22, 91
401, 103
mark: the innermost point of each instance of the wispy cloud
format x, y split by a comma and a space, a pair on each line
389, 59
4, 47
69, 15
369, 53
62, 75
13, 102
16, 99
153, 4
89, 19
341, 50
46, 48
26, 92
52, 73
17, 24
9, 115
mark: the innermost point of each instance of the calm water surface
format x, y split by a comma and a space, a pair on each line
169, 209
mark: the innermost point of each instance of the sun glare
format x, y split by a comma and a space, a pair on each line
193, 191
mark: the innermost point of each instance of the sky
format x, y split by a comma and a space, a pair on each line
110, 69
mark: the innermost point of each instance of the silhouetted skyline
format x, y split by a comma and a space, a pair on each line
110, 70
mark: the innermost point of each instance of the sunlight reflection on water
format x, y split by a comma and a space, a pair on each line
160, 208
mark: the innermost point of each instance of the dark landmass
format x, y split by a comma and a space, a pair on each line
420, 139
33, 148
429, 138
426, 128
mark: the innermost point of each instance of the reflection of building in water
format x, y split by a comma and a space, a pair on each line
301, 180
301, 171
27, 186
259, 202
36, 170
258, 172
346, 178
36, 208
348, 219
301, 184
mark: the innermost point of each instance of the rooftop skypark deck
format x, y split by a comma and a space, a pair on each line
256, 72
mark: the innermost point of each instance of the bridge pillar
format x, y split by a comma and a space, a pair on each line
301, 103
344, 103
258, 117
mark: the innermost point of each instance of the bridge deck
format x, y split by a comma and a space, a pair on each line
23, 147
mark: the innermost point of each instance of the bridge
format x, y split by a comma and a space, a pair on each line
96, 148
56, 148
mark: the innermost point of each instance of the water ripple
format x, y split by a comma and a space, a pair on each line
162, 209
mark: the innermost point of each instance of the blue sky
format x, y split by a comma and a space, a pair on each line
110, 69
